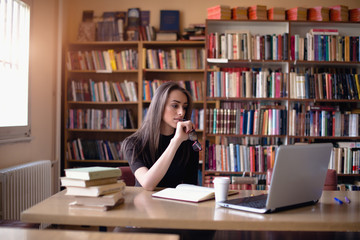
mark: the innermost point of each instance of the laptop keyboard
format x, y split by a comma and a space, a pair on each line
258, 201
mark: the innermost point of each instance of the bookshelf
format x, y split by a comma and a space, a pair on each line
271, 105
92, 123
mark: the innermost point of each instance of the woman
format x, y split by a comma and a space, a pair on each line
159, 152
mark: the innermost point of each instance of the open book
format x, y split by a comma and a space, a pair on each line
188, 193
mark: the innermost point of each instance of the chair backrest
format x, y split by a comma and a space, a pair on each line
330, 181
127, 176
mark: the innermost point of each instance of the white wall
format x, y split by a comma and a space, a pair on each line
43, 42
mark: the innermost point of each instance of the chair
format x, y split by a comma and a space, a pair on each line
127, 176
330, 181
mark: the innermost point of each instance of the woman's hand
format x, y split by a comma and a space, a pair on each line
182, 130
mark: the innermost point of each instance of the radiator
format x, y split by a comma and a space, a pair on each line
23, 186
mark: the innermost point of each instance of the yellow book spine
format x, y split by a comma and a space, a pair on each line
112, 59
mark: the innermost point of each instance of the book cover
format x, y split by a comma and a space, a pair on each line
74, 205
88, 173
105, 200
188, 193
95, 191
170, 20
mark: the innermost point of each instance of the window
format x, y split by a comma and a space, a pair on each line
14, 70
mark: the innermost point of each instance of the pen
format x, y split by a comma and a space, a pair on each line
338, 200
347, 200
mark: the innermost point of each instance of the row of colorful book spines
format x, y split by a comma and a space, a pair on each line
348, 187
195, 88
262, 47
346, 160
255, 178
78, 149
240, 158
102, 60
185, 59
197, 118
100, 119
247, 122
103, 91
234, 84
238, 186
326, 86
229, 46
325, 48
324, 124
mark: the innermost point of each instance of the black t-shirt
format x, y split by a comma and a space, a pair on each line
183, 168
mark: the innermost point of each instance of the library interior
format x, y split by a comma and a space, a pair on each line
264, 80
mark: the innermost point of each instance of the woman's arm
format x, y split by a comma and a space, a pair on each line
150, 178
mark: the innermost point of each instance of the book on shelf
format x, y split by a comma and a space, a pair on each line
276, 13
240, 158
257, 12
71, 182
95, 191
324, 31
339, 13
318, 13
133, 24
195, 32
219, 12
89, 173
75, 205
169, 21
87, 31
297, 13
188, 193
106, 28
239, 13
104, 200
166, 36
354, 15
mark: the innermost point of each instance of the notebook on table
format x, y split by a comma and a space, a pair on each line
297, 180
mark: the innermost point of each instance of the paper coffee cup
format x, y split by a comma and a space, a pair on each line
221, 185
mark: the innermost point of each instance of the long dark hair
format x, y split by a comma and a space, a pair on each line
148, 134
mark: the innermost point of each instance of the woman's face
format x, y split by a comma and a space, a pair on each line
175, 110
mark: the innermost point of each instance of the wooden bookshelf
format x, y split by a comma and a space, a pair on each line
137, 75
216, 28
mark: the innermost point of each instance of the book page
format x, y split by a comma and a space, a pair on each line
184, 194
195, 188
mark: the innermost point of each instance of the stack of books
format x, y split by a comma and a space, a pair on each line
339, 13
219, 12
354, 15
94, 188
318, 14
257, 12
276, 13
195, 32
297, 14
239, 13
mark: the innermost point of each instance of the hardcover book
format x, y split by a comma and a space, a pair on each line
70, 182
105, 200
74, 205
88, 173
188, 193
170, 20
95, 191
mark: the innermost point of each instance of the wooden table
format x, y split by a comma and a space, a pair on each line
33, 234
141, 210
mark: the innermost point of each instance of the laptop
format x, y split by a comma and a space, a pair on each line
297, 180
